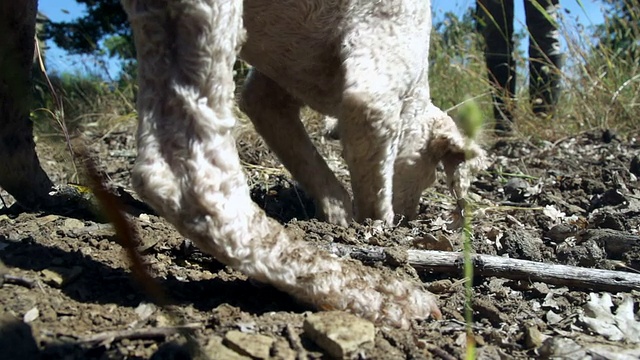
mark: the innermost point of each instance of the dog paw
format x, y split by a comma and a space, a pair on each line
335, 210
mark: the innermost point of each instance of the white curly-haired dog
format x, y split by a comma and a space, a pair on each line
362, 61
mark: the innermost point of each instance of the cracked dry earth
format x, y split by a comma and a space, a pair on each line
68, 292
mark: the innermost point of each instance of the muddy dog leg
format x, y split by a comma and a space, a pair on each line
370, 140
369, 119
276, 116
414, 168
188, 167
430, 136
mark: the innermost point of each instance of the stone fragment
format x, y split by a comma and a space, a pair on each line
561, 348
440, 286
282, 351
215, 350
254, 345
341, 335
515, 189
71, 224
60, 276
31, 315
533, 338
52, 278
430, 242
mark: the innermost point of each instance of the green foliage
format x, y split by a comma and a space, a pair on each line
86, 101
621, 30
456, 61
103, 20
601, 78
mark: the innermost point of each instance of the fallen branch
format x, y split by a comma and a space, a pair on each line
489, 265
143, 333
17, 280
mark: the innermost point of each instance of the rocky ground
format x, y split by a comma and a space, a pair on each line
66, 290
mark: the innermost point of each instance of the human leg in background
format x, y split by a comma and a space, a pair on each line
495, 22
545, 59
20, 171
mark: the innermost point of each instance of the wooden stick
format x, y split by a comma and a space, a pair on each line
17, 280
489, 265
143, 333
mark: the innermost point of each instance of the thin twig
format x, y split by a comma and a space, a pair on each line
143, 333
18, 280
489, 265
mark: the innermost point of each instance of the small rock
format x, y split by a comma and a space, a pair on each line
254, 345
52, 278
533, 338
430, 242
282, 351
440, 286
587, 254
70, 224
553, 318
611, 197
31, 315
515, 189
144, 310
214, 350
487, 310
58, 276
341, 335
247, 326
521, 245
607, 220
561, 348
560, 232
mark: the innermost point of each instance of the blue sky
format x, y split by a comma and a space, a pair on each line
585, 13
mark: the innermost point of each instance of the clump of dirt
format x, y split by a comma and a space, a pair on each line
68, 291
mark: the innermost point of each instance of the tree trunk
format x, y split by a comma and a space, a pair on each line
20, 171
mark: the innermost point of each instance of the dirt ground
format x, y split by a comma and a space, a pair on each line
68, 292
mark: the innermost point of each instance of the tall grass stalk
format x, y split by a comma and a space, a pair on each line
468, 285
600, 83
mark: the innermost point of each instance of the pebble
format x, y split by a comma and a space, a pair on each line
430, 242
522, 245
515, 189
533, 338
440, 286
71, 223
341, 335
561, 348
59, 276
52, 278
254, 345
31, 315
215, 350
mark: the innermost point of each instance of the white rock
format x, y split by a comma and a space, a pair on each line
341, 335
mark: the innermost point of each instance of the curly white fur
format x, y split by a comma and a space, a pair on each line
366, 64
188, 167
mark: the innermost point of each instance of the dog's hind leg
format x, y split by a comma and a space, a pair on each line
276, 116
